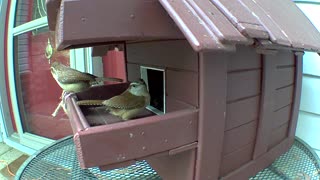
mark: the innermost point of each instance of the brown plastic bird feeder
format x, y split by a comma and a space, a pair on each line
230, 71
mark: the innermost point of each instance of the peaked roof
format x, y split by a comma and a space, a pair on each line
216, 24
206, 24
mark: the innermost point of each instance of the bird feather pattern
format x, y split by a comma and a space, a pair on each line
73, 76
90, 103
73, 80
125, 101
126, 105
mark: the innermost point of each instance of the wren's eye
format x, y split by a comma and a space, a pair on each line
133, 85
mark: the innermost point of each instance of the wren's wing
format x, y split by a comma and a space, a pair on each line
73, 76
125, 101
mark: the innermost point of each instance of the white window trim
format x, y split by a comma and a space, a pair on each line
5, 119
80, 59
35, 24
2, 18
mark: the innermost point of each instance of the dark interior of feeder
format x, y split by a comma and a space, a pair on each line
154, 79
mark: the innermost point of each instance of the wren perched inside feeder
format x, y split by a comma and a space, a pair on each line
224, 77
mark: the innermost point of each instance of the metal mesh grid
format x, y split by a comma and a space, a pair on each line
300, 162
59, 161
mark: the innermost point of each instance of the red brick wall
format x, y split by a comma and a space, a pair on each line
38, 85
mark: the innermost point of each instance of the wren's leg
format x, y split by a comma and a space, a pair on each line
54, 114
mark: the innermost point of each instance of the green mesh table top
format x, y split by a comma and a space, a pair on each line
59, 161
299, 163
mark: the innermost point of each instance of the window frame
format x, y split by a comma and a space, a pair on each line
26, 142
8, 135
24, 138
3, 5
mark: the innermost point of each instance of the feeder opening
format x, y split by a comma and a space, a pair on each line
155, 80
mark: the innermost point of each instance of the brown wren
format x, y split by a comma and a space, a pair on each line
71, 80
126, 105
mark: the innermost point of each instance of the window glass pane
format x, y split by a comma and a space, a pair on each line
37, 91
28, 10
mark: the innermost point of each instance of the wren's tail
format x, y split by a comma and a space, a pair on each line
111, 79
90, 103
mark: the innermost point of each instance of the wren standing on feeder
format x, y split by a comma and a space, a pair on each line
71, 80
128, 104
131, 102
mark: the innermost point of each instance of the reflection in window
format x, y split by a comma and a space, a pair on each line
109, 61
38, 93
39, 9
28, 10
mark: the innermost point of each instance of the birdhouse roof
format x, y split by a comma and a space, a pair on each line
206, 24
214, 24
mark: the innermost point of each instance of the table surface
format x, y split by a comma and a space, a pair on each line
59, 161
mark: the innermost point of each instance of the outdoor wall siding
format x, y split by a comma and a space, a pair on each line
308, 129
309, 115
310, 93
